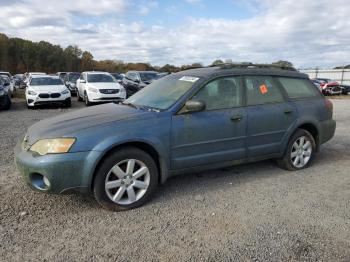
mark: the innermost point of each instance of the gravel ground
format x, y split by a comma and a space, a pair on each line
254, 212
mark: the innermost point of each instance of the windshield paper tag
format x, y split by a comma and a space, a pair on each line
189, 79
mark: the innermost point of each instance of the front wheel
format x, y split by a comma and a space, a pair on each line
68, 103
86, 99
7, 104
126, 179
300, 151
79, 97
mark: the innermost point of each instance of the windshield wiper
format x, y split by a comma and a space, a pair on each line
149, 108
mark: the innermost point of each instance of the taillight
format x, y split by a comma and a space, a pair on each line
328, 103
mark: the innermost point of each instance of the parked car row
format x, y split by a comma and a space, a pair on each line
330, 87
5, 93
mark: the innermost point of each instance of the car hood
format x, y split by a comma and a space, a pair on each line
70, 123
105, 85
49, 88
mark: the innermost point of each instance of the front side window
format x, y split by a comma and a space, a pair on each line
262, 90
221, 93
100, 78
298, 88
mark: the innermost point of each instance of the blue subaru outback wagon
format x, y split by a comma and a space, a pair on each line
193, 120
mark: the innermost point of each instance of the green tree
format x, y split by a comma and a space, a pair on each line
217, 62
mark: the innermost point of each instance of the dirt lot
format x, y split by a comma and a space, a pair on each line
254, 212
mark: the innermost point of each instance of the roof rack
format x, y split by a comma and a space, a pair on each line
252, 65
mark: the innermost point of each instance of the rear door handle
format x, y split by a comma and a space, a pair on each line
236, 118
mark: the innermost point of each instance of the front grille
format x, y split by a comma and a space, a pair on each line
44, 95
109, 91
109, 98
53, 95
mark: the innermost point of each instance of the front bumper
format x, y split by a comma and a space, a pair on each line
99, 97
34, 100
65, 172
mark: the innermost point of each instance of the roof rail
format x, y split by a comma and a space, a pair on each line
252, 65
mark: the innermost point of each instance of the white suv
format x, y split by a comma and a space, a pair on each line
44, 89
94, 87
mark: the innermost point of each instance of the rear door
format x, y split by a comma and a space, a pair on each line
270, 116
214, 135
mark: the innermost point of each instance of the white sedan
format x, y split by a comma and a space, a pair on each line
44, 89
97, 87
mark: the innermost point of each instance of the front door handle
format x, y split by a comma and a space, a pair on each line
288, 111
236, 118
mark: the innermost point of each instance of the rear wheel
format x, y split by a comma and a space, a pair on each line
300, 151
126, 179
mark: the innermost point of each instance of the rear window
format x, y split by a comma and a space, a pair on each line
298, 88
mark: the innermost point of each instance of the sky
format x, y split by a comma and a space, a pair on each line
309, 33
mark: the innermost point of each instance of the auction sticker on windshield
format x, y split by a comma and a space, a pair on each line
189, 79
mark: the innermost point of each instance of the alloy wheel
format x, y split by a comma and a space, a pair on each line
301, 152
127, 181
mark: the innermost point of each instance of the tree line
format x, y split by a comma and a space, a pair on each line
19, 56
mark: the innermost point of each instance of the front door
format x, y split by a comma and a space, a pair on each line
214, 135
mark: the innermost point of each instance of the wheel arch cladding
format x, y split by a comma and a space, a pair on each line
149, 149
312, 129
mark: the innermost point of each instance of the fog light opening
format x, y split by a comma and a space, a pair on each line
40, 182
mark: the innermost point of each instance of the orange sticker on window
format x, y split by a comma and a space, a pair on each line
263, 89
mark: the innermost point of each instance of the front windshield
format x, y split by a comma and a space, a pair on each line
45, 81
74, 77
100, 78
148, 76
161, 94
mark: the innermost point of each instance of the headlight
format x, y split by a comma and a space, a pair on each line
52, 146
65, 92
91, 89
2, 92
30, 92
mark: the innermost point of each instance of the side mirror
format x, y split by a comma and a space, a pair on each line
137, 80
194, 106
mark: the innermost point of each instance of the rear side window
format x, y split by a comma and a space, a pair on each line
262, 90
298, 88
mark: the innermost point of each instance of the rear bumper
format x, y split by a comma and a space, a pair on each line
327, 130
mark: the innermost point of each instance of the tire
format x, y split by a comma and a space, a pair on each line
68, 103
86, 100
79, 97
7, 104
306, 152
143, 185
